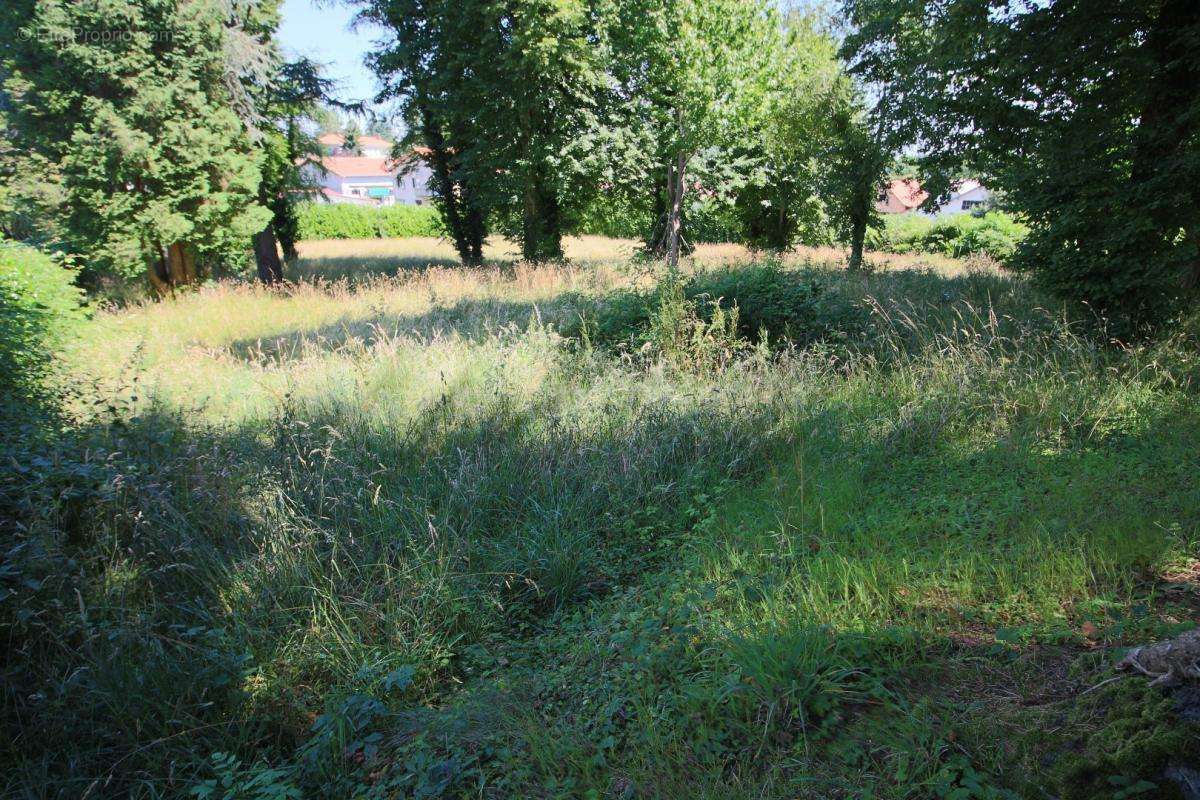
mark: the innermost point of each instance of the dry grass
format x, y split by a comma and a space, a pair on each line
337, 258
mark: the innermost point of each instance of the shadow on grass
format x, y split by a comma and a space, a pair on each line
470, 320
231, 580
358, 268
937, 300
180, 590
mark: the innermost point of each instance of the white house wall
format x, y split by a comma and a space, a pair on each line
413, 186
409, 188
955, 204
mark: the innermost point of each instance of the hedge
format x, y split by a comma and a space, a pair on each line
344, 221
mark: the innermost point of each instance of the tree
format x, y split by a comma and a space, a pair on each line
129, 102
326, 118
695, 75
787, 192
381, 127
274, 98
503, 97
350, 139
1084, 114
854, 165
428, 68
290, 100
545, 143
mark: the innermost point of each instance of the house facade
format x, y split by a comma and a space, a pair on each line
965, 196
373, 178
902, 196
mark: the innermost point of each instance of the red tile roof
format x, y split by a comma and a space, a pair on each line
364, 140
358, 166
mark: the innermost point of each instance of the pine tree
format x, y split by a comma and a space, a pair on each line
129, 100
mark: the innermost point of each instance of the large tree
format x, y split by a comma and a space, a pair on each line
542, 93
428, 66
696, 74
132, 103
503, 99
1084, 113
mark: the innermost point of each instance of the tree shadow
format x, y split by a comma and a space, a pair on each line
187, 577
471, 320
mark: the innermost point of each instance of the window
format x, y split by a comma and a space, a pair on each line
967, 205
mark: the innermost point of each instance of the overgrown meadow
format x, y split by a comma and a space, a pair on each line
760, 528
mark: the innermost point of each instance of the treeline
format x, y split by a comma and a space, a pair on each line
1084, 115
163, 139
532, 110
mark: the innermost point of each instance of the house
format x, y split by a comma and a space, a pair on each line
964, 196
900, 196
372, 178
905, 195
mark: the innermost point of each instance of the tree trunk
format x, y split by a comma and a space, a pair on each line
181, 265
541, 229
674, 233
266, 255
157, 272
858, 234
464, 222
530, 228
174, 266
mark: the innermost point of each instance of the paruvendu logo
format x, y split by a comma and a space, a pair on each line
92, 35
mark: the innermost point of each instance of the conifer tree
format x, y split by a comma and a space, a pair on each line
130, 101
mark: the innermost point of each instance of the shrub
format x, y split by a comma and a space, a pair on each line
762, 300
705, 221
39, 305
994, 234
343, 221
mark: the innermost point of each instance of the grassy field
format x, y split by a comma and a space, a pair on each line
352, 259
409, 530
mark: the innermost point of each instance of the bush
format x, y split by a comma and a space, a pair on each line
994, 234
39, 305
343, 221
705, 221
795, 307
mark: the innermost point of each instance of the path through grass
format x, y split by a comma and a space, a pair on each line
402, 538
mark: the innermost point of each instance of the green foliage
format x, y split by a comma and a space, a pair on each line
1128, 755
235, 781
994, 234
40, 307
131, 106
761, 302
401, 539
345, 221
707, 221
1088, 122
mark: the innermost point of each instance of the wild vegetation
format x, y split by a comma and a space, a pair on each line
763, 529
700, 512
993, 234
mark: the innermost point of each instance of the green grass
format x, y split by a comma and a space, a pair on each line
400, 537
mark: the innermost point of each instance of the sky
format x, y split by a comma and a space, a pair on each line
323, 34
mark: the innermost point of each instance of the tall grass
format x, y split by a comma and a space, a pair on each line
401, 537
